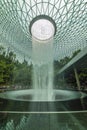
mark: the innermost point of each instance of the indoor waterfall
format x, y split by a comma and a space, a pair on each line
42, 56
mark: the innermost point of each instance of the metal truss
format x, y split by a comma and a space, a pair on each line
70, 17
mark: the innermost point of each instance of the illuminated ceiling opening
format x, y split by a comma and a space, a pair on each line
70, 17
42, 27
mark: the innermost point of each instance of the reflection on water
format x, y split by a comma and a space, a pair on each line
53, 106
43, 121
23, 115
43, 118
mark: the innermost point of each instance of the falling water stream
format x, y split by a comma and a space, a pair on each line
42, 56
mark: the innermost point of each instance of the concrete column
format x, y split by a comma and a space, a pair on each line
77, 79
79, 87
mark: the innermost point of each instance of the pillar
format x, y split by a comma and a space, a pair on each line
77, 79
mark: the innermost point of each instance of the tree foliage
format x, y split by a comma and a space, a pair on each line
6, 66
15, 73
12, 72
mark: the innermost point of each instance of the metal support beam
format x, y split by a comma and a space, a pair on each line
77, 79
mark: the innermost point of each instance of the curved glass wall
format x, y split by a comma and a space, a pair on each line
69, 16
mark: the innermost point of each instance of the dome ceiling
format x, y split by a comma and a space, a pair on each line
70, 17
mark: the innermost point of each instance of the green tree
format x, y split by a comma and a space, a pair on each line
75, 53
23, 74
65, 60
6, 66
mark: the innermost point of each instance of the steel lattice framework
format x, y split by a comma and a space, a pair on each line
70, 17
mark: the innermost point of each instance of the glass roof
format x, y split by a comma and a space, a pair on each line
70, 17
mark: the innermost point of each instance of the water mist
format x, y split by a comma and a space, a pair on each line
42, 58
